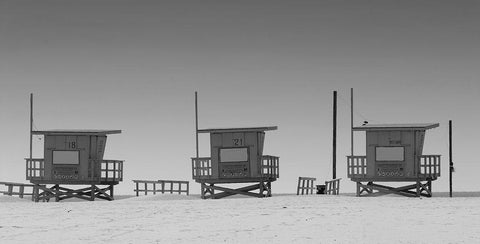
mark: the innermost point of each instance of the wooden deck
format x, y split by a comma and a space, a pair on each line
202, 171
111, 173
428, 169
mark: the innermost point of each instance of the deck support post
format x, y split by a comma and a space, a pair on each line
36, 192
418, 188
269, 186
207, 191
111, 191
358, 189
57, 188
92, 193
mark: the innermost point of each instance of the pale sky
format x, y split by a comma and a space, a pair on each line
134, 66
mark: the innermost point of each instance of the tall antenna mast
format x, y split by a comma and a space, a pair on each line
334, 153
450, 155
196, 124
31, 125
351, 121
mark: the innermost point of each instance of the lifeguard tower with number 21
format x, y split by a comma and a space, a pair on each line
236, 157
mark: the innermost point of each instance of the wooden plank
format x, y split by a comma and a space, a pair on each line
303, 186
110, 187
136, 189
145, 181
57, 189
338, 187
10, 189
21, 191
114, 170
298, 185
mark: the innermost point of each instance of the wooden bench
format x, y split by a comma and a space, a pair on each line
162, 186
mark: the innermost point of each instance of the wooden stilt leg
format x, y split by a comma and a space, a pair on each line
57, 189
92, 193
36, 193
430, 187
418, 188
111, 191
269, 191
261, 188
358, 189
202, 190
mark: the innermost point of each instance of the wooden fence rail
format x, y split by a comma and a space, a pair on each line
17, 189
305, 185
332, 187
162, 186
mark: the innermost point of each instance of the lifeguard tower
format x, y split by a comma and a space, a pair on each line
394, 154
236, 157
72, 158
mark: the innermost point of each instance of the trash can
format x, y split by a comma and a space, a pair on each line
321, 189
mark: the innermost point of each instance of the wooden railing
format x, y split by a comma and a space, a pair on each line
307, 188
429, 166
356, 166
332, 187
201, 168
270, 166
111, 170
162, 186
35, 168
17, 189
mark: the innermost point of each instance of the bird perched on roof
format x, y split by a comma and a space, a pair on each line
365, 123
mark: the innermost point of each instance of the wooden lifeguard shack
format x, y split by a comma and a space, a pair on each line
74, 157
236, 157
394, 154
